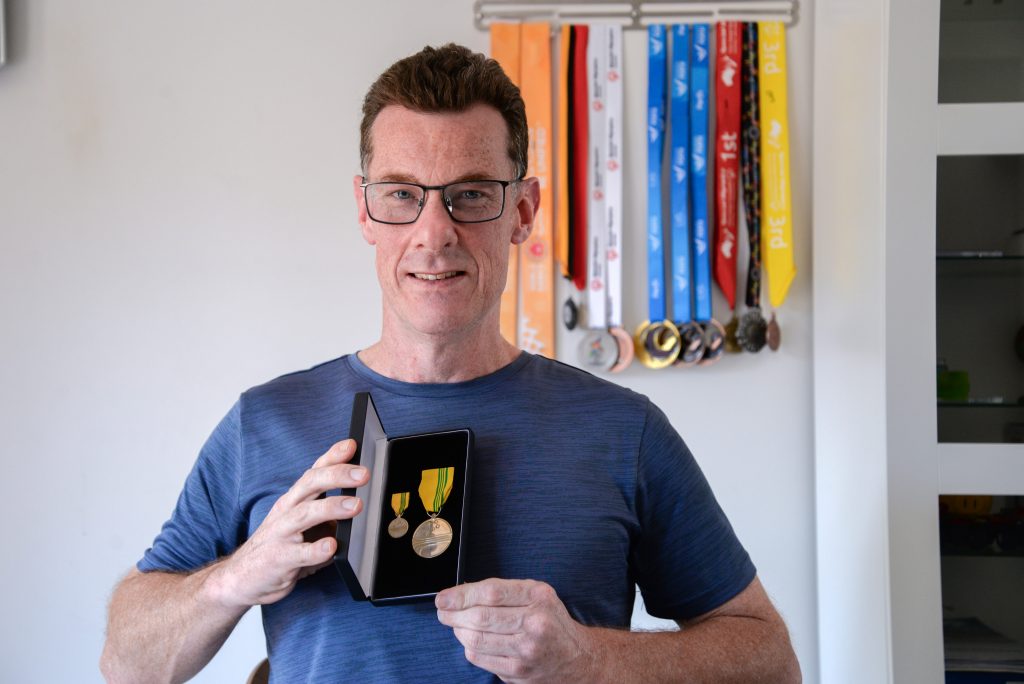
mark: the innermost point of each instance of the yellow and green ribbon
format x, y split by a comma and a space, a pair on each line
399, 502
435, 486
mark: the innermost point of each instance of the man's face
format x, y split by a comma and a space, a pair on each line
439, 277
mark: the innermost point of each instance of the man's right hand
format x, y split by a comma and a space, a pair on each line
267, 566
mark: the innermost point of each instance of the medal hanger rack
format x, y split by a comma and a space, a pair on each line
634, 15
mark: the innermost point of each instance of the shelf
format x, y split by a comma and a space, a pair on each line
996, 469
978, 256
974, 129
981, 403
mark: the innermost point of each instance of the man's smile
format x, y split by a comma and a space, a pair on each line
438, 276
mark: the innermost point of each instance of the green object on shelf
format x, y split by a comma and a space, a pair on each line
954, 385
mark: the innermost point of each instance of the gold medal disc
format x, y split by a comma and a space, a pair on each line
431, 538
658, 344
398, 527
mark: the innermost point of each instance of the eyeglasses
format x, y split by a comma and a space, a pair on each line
475, 201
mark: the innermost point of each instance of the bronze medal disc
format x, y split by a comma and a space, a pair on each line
732, 345
692, 351
598, 350
398, 527
714, 342
625, 349
431, 538
773, 334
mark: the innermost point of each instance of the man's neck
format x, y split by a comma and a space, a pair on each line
437, 360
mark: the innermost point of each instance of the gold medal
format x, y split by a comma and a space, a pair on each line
399, 526
658, 344
433, 535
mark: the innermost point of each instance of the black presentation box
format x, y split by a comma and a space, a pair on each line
377, 566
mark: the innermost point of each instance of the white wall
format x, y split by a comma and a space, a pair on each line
176, 226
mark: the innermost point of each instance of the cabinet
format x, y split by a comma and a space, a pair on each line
979, 296
918, 104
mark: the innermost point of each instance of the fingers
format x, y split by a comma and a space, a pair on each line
330, 471
491, 592
308, 514
496, 620
340, 452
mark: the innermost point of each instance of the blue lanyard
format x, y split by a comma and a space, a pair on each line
699, 172
656, 65
679, 200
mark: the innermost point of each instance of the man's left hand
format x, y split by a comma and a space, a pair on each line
518, 630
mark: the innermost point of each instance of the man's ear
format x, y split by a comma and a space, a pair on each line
527, 209
366, 226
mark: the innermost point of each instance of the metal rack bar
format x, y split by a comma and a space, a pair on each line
637, 14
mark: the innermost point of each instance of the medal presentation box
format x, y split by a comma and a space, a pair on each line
406, 543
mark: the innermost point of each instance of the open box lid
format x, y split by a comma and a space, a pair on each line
356, 553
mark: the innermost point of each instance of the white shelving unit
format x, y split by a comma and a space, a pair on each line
879, 133
991, 128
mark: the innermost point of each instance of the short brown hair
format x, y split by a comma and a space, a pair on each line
451, 78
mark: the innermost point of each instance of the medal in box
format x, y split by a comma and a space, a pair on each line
406, 543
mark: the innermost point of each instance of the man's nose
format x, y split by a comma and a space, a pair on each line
435, 229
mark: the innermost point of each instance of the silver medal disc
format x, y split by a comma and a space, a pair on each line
431, 538
398, 527
598, 350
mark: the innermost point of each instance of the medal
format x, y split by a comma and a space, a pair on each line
752, 331
657, 341
598, 350
732, 345
727, 150
570, 314
691, 337
625, 350
776, 208
399, 526
658, 344
773, 334
711, 333
714, 342
433, 535
613, 195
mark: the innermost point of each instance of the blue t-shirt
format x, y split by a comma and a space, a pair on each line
576, 482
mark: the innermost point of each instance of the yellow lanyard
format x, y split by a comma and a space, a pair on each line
776, 209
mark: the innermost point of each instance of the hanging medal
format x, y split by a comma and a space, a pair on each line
752, 329
505, 49
657, 340
563, 205
728, 48
399, 526
614, 194
598, 350
776, 209
434, 534
713, 335
537, 314
605, 346
691, 334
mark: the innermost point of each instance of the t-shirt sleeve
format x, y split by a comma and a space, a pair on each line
687, 560
206, 523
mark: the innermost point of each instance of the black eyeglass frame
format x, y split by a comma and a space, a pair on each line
445, 199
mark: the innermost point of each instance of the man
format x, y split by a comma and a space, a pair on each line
580, 488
